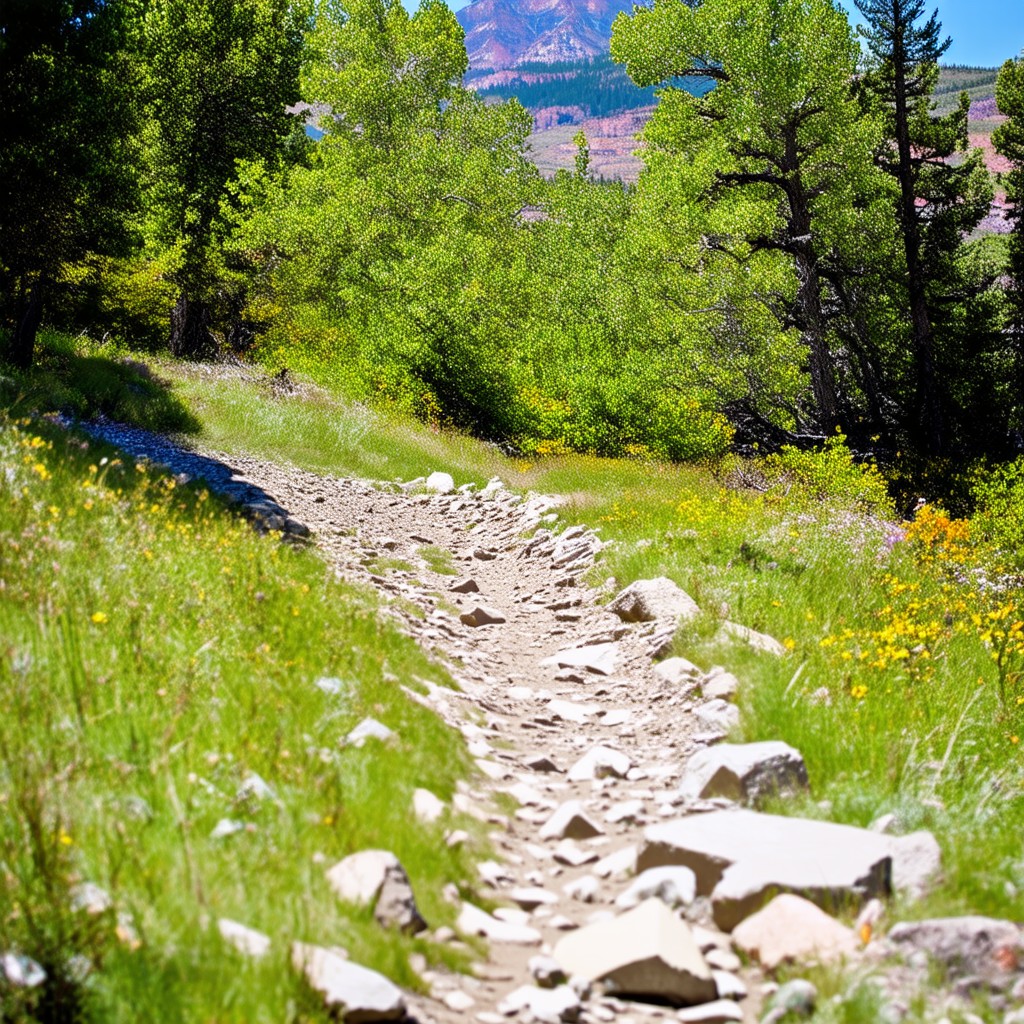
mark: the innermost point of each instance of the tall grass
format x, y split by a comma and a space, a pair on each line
155, 655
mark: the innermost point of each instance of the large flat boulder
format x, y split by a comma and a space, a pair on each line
743, 858
745, 772
647, 952
650, 600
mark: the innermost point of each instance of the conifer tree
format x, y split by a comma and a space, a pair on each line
939, 203
1009, 141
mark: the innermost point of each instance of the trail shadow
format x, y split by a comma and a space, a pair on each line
223, 479
94, 385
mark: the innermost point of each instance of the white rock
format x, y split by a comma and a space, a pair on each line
546, 1005
618, 864
474, 921
791, 929
674, 886
367, 729
600, 659
376, 878
568, 852
729, 985
724, 959
759, 641
356, 993
426, 806
646, 952
721, 685
482, 615
600, 762
527, 796
916, 863
546, 971
531, 897
720, 1011
440, 483
512, 916
717, 715
583, 889
570, 711
745, 772
648, 600
245, 940
459, 1001
570, 822
677, 671
628, 811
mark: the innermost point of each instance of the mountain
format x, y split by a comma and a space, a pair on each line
508, 33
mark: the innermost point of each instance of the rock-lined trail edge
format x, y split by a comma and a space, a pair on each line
635, 865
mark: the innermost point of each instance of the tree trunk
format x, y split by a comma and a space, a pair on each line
28, 317
809, 312
190, 329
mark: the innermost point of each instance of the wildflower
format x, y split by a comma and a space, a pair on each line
41, 471
64, 839
858, 692
99, 618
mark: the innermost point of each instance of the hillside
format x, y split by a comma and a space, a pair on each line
316, 722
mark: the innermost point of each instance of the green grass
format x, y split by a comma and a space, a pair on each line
154, 653
439, 560
805, 560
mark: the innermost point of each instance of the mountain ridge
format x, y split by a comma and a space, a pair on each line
503, 34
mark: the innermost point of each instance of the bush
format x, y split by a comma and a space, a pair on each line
831, 474
999, 509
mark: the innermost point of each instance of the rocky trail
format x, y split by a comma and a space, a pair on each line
637, 879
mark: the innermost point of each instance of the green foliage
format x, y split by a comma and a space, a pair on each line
1008, 139
829, 474
82, 379
69, 150
774, 163
946, 320
998, 493
221, 77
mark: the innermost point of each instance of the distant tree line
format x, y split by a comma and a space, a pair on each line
797, 258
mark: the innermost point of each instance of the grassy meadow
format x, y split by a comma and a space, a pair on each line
156, 653
163, 737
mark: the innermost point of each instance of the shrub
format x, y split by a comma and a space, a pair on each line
999, 509
829, 473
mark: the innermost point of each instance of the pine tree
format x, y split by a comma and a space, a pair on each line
1009, 141
939, 203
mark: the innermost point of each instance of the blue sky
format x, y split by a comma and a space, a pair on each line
985, 32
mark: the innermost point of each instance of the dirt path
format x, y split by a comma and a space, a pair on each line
536, 719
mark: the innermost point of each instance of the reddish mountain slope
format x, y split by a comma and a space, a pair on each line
505, 33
